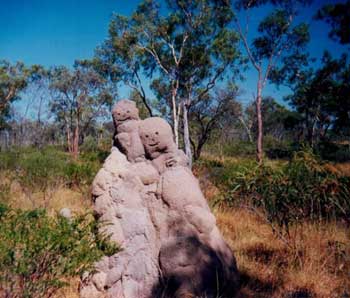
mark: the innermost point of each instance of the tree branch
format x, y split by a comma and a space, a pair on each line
143, 94
155, 56
245, 43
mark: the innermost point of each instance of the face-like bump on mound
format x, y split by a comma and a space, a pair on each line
156, 136
126, 137
124, 110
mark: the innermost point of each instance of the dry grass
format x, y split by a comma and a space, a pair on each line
343, 168
316, 264
54, 200
70, 291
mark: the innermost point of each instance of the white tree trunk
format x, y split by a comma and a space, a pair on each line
175, 112
187, 135
259, 141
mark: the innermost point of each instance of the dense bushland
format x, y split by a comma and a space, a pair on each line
44, 171
285, 191
38, 253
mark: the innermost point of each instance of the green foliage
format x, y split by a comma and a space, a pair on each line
338, 17
286, 192
80, 174
38, 170
38, 252
13, 78
278, 149
81, 96
8, 160
98, 156
89, 144
321, 97
333, 151
232, 149
44, 171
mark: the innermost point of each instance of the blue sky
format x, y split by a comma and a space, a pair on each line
56, 32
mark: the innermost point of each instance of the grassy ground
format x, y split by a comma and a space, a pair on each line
315, 262
317, 266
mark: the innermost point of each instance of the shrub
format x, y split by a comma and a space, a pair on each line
43, 171
38, 252
234, 148
40, 171
239, 149
90, 144
302, 188
98, 156
279, 149
334, 152
8, 160
80, 175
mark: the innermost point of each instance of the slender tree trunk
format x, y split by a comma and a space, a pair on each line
69, 128
175, 118
187, 135
198, 151
76, 141
249, 134
259, 141
309, 128
69, 140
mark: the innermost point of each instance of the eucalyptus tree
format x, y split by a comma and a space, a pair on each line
214, 112
119, 59
277, 43
13, 79
185, 52
210, 55
322, 97
79, 97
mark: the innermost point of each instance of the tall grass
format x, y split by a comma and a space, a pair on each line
42, 172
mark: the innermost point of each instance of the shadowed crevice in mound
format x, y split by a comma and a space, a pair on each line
195, 270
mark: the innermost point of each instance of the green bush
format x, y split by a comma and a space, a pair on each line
38, 169
38, 253
278, 149
43, 171
80, 174
273, 148
39, 172
8, 160
90, 144
237, 148
333, 151
299, 189
98, 156
303, 188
